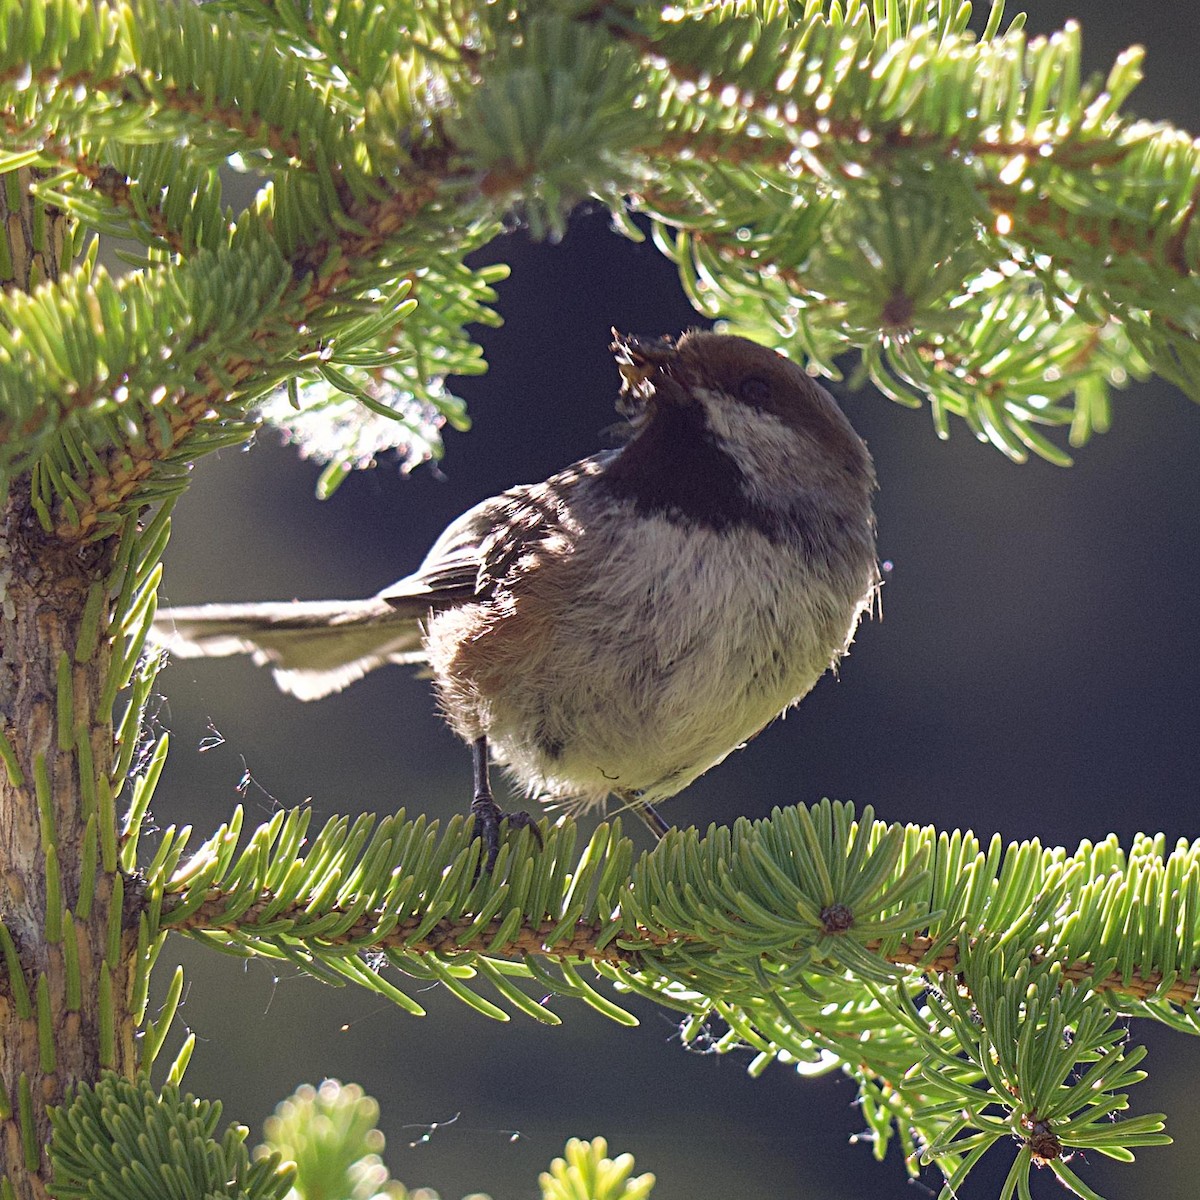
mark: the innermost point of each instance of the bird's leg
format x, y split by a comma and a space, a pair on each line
487, 812
651, 819
484, 808
646, 813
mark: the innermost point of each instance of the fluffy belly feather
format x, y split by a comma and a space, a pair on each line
706, 639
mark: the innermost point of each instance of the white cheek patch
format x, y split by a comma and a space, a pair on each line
771, 454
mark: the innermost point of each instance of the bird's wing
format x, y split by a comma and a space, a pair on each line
318, 647
482, 549
449, 573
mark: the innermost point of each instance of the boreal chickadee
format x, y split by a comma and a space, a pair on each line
622, 627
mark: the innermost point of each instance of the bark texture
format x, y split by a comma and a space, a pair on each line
57, 740
58, 906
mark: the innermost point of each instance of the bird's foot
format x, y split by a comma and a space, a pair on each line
488, 816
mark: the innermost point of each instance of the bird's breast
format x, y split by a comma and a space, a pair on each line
638, 651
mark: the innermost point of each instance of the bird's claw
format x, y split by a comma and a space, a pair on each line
488, 815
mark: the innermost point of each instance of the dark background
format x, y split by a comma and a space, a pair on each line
1034, 675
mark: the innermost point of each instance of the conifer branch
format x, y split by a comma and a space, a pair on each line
588, 943
321, 272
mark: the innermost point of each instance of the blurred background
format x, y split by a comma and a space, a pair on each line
1034, 674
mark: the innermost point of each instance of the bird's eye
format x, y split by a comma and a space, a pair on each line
754, 390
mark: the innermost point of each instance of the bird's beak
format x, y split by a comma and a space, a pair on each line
640, 361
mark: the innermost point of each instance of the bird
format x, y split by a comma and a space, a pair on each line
621, 627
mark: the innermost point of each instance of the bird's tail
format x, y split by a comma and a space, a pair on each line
313, 647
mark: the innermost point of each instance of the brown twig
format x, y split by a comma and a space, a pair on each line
637, 950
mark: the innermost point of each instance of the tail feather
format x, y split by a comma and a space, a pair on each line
313, 647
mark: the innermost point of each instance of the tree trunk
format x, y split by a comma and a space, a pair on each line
65, 1004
